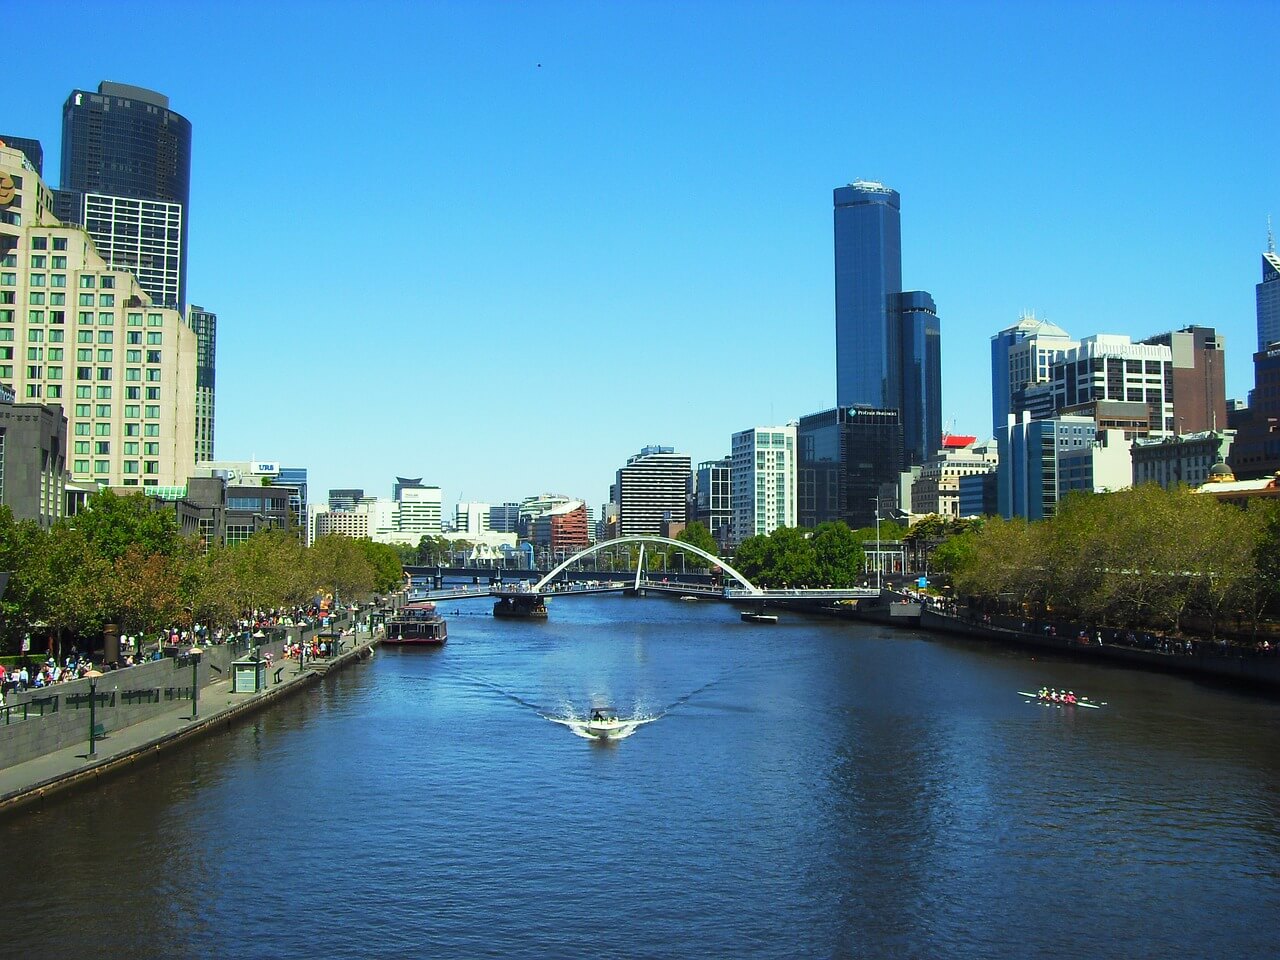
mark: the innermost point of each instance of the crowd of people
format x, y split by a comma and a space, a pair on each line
36, 672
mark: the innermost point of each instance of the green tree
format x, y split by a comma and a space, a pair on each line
385, 562
697, 535
111, 524
838, 556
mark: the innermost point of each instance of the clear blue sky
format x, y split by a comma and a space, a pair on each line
432, 256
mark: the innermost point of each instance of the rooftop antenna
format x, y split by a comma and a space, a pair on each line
1271, 237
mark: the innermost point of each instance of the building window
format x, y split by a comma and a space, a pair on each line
87, 281
86, 300
59, 243
101, 466
106, 299
105, 336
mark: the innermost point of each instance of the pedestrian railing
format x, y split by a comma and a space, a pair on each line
36, 706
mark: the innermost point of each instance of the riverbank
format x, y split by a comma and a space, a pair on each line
32, 782
1206, 659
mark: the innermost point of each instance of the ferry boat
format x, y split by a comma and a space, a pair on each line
417, 625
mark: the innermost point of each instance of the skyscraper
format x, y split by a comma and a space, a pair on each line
888, 352
651, 488
205, 326
868, 267
1022, 355
1268, 292
126, 176
30, 148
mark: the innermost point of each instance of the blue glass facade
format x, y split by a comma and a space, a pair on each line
888, 345
1268, 292
868, 268
921, 377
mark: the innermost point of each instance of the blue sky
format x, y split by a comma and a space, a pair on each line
504, 245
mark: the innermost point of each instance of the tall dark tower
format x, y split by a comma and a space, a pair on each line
888, 344
126, 176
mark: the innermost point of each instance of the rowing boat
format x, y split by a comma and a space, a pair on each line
1059, 703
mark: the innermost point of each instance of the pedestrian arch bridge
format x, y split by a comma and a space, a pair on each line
528, 600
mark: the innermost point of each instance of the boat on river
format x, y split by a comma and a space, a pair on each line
1079, 701
604, 723
416, 625
749, 617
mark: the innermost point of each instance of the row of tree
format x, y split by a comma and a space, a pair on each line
831, 555
121, 561
1144, 557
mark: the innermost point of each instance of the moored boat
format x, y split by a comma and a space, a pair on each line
416, 625
749, 617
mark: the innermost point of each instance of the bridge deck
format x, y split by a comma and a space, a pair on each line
470, 592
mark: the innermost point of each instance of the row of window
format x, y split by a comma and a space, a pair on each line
42, 243
104, 466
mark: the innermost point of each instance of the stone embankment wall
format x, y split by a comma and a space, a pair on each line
125, 697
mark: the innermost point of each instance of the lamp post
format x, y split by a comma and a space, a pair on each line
195, 682
876, 501
93, 717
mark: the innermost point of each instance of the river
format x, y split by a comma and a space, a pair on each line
811, 789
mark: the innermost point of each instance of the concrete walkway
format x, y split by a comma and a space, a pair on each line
31, 782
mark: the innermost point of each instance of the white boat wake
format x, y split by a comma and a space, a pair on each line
610, 727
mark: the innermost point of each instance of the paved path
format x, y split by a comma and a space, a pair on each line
30, 782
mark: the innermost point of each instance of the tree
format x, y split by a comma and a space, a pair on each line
838, 556
111, 524
385, 563
697, 535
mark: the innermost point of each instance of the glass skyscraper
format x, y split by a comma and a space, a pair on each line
868, 261
125, 142
888, 346
1268, 292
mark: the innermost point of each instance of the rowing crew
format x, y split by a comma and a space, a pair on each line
1057, 696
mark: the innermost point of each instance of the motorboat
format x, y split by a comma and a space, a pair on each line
749, 617
688, 599
604, 723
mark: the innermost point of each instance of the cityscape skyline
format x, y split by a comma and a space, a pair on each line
501, 277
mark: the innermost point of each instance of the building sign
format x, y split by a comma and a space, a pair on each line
7, 190
265, 467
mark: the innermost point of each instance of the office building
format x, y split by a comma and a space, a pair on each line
561, 530
31, 149
1110, 367
1022, 358
844, 457
1268, 296
762, 481
1199, 377
471, 517
888, 352
1184, 459
650, 488
126, 176
76, 331
1255, 452
504, 517
978, 495
204, 325
937, 489
713, 498
1043, 460
342, 523
345, 499
33, 459
417, 508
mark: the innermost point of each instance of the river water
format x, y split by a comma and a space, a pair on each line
811, 789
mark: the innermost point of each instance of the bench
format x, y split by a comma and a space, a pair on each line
278, 672
99, 731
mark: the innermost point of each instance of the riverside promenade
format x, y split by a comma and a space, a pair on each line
30, 783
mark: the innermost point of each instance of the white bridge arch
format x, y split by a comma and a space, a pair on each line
647, 538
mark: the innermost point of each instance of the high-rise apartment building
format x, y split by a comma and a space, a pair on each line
1268, 297
345, 499
888, 353
77, 331
1022, 357
652, 488
126, 176
204, 325
713, 498
470, 517
763, 480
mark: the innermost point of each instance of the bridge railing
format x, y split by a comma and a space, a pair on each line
807, 593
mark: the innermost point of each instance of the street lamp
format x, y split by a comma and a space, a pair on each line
876, 501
